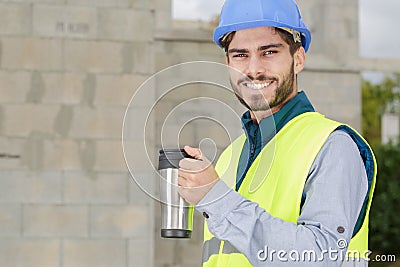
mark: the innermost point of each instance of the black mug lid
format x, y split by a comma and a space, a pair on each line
170, 157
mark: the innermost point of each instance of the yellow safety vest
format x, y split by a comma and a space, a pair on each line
276, 181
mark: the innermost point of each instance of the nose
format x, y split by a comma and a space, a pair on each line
255, 67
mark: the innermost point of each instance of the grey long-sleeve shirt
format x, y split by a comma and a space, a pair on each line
335, 190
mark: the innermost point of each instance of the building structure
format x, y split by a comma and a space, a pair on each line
68, 69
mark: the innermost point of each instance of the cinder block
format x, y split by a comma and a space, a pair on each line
141, 158
64, 21
109, 156
117, 90
36, 92
164, 60
126, 24
213, 58
163, 19
197, 234
88, 154
162, 108
346, 26
11, 153
28, 252
120, 221
192, 247
144, 4
55, 221
99, 188
63, 88
185, 48
22, 120
165, 252
33, 152
162, 4
99, 253
30, 187
143, 188
14, 86
142, 57
331, 88
91, 56
345, 113
213, 50
100, 3
10, 220
61, 155
139, 125
172, 135
41, 1
208, 129
172, 252
140, 252
31, 54
97, 123
354, 122
15, 19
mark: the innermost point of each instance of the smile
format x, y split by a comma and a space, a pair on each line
257, 86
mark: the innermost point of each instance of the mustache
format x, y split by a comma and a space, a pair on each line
259, 78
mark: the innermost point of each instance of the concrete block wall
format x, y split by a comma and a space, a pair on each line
332, 74
334, 29
337, 95
67, 71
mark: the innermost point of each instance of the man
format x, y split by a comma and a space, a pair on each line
303, 186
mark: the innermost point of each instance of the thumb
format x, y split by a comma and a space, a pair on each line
194, 152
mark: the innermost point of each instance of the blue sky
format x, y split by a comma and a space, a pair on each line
379, 23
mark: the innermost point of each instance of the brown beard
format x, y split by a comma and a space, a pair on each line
283, 91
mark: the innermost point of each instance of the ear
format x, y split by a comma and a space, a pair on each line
299, 60
227, 59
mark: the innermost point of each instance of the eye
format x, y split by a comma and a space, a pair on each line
240, 55
270, 52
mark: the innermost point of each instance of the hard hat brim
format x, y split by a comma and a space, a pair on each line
222, 30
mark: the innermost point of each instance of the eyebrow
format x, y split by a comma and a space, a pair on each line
261, 48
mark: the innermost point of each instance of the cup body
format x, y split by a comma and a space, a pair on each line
176, 213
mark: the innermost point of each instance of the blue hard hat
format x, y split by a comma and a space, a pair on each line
245, 14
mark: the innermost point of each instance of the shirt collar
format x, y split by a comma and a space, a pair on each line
272, 124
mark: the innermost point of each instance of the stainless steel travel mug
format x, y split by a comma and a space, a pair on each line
176, 213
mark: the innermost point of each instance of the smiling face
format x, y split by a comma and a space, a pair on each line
266, 77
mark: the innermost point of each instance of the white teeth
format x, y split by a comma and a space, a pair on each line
257, 86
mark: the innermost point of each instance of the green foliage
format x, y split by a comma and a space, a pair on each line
384, 219
376, 99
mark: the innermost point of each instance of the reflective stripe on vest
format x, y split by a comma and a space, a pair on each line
273, 186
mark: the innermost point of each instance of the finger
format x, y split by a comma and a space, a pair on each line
185, 183
185, 174
194, 152
182, 181
188, 164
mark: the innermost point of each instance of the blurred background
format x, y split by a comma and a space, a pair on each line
68, 69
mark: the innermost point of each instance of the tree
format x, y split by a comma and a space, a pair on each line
384, 220
376, 100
